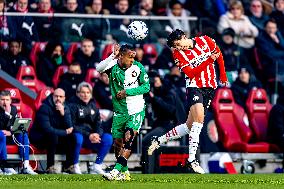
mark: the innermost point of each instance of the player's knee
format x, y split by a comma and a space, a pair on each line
128, 138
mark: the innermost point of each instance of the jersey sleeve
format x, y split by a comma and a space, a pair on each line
144, 85
106, 64
185, 66
220, 60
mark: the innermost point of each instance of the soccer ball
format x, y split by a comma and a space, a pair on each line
137, 30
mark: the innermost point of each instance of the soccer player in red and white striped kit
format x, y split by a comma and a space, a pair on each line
195, 57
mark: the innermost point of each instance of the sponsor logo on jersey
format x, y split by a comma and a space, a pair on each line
130, 83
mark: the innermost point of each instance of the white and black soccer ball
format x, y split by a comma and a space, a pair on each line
137, 30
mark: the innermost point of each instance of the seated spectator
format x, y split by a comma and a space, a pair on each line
5, 24
243, 85
14, 58
44, 25
275, 130
70, 80
176, 9
232, 54
102, 92
167, 110
270, 44
87, 127
100, 27
257, 15
49, 60
244, 29
53, 130
140, 57
23, 27
8, 114
278, 14
164, 61
87, 56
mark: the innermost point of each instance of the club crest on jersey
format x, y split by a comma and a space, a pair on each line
134, 73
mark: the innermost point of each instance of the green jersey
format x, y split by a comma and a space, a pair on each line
134, 80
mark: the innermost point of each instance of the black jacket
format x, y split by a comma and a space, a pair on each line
69, 82
49, 120
6, 121
85, 61
86, 117
102, 95
241, 91
275, 133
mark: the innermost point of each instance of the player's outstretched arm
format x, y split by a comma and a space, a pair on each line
110, 61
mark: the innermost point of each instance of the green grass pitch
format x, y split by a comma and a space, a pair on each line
165, 181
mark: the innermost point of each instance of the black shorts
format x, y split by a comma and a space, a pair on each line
199, 95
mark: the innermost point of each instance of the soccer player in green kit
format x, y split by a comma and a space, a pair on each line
128, 82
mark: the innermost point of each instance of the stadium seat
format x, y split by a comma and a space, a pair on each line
23, 109
71, 50
42, 95
36, 49
91, 76
107, 51
58, 73
27, 76
232, 124
4, 45
150, 52
258, 109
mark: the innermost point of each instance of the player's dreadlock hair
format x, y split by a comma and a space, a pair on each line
123, 49
175, 35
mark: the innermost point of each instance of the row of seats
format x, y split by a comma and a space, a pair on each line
242, 131
38, 47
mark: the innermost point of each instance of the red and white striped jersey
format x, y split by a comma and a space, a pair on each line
197, 64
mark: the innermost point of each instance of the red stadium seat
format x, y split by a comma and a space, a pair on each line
150, 52
42, 95
58, 73
23, 109
27, 76
258, 108
92, 75
107, 51
233, 126
36, 49
71, 50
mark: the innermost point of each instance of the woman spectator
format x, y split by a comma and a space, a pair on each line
49, 60
257, 15
244, 29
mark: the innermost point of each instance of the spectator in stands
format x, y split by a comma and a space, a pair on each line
119, 26
176, 80
44, 25
70, 80
100, 27
244, 83
53, 130
5, 23
87, 126
141, 57
257, 15
70, 6
167, 110
143, 7
8, 114
275, 131
244, 29
232, 53
270, 44
49, 60
102, 92
23, 27
164, 61
87, 56
176, 9
14, 58
278, 14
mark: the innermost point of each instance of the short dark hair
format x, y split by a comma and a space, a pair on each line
123, 49
174, 2
272, 20
175, 35
5, 93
